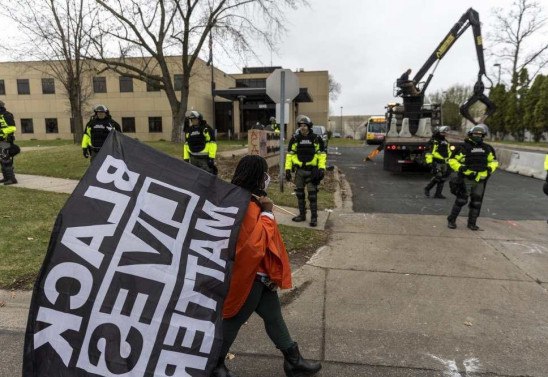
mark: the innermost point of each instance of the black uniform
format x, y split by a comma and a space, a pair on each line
7, 147
96, 132
200, 148
474, 161
306, 154
438, 152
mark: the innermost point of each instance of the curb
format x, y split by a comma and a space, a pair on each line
342, 204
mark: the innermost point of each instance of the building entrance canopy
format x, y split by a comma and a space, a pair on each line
258, 94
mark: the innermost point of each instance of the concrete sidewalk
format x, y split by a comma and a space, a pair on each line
395, 295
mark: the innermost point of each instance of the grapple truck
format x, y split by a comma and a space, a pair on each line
410, 123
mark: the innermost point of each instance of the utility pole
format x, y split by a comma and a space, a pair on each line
213, 123
341, 123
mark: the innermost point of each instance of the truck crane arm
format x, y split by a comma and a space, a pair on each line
469, 18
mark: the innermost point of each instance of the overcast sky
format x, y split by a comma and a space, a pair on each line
367, 44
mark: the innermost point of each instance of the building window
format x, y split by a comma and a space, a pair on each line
2, 87
154, 124
26, 126
251, 83
99, 84
51, 126
128, 125
153, 86
178, 82
126, 84
23, 86
48, 86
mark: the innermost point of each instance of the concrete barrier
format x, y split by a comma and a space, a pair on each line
404, 132
425, 127
529, 164
393, 132
504, 157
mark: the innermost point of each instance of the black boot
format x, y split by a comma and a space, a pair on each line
299, 193
9, 176
473, 214
451, 222
439, 189
314, 219
428, 188
221, 370
296, 366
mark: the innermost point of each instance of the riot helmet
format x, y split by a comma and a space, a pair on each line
193, 114
478, 132
303, 119
441, 130
479, 129
100, 109
272, 119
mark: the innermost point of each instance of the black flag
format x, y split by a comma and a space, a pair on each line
136, 271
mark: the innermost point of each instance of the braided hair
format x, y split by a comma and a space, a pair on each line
249, 174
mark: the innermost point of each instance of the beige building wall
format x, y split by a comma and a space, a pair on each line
317, 84
139, 104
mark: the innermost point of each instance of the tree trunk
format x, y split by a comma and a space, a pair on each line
77, 121
178, 110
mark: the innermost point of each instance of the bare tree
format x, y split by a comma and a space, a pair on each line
514, 38
151, 30
334, 88
353, 123
57, 33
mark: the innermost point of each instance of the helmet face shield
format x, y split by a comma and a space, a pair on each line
100, 109
303, 119
193, 114
443, 129
479, 130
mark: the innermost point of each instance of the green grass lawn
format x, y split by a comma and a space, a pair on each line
522, 143
65, 160
27, 217
344, 142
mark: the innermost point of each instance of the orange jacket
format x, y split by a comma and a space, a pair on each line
259, 241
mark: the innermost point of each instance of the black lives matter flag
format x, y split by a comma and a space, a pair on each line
136, 271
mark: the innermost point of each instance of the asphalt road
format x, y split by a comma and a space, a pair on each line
508, 196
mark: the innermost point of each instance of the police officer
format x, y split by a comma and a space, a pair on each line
7, 148
97, 131
275, 126
200, 147
306, 153
474, 161
437, 154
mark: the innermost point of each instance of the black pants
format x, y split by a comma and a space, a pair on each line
474, 192
7, 152
303, 178
438, 179
266, 304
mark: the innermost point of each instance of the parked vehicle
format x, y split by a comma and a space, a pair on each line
375, 130
405, 146
322, 132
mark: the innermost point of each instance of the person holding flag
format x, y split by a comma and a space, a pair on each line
261, 266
